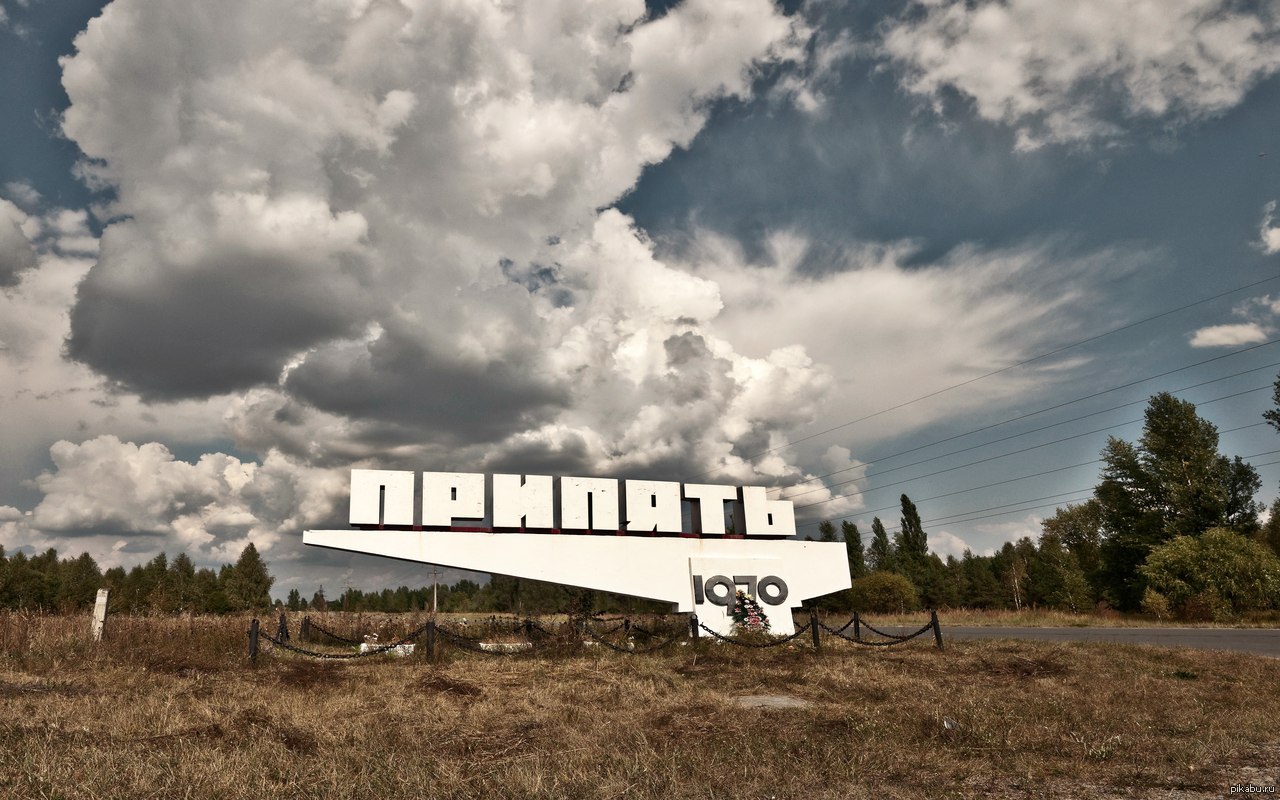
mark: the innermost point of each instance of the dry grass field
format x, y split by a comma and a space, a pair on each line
170, 708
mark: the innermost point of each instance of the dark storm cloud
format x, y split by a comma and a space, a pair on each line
399, 379
230, 322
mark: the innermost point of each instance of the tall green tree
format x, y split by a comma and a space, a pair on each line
881, 553
80, 582
1173, 482
247, 585
1055, 579
180, 583
1079, 528
980, 585
854, 548
911, 541
1272, 416
826, 531
1012, 567
1270, 532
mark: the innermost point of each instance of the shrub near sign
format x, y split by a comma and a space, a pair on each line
637, 541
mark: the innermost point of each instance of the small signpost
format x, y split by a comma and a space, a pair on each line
100, 615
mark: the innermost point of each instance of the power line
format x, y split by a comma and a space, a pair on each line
949, 469
1057, 504
964, 491
953, 519
994, 458
1033, 430
1024, 362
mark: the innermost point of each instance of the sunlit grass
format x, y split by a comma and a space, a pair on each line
170, 707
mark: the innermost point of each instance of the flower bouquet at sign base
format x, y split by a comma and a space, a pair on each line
747, 616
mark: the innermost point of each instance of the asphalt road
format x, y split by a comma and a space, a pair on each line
1263, 641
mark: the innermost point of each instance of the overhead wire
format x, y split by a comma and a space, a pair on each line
1015, 365
878, 459
993, 458
997, 483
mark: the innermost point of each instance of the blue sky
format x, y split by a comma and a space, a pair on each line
243, 252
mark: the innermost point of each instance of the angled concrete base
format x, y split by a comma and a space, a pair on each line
657, 568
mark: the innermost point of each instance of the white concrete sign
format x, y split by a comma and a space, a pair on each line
385, 498
626, 538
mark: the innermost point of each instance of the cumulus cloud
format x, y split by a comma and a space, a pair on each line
947, 544
378, 172
389, 241
1269, 232
16, 252
396, 222
1261, 314
859, 310
23, 193
1229, 335
392, 231
46, 397
211, 509
1079, 72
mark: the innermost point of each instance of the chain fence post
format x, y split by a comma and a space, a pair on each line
813, 627
282, 633
431, 641
857, 627
253, 641
937, 629
693, 627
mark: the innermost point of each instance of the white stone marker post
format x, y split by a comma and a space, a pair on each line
100, 615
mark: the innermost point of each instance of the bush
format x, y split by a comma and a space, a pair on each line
1215, 575
1155, 604
884, 592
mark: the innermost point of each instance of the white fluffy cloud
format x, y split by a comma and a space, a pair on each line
1078, 71
16, 253
44, 396
1261, 315
346, 231
368, 216
1269, 231
118, 491
364, 233
1229, 335
864, 310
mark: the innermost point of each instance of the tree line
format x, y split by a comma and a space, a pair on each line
160, 586
1172, 529
501, 594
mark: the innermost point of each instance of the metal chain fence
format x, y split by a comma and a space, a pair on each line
586, 629
538, 637
757, 645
